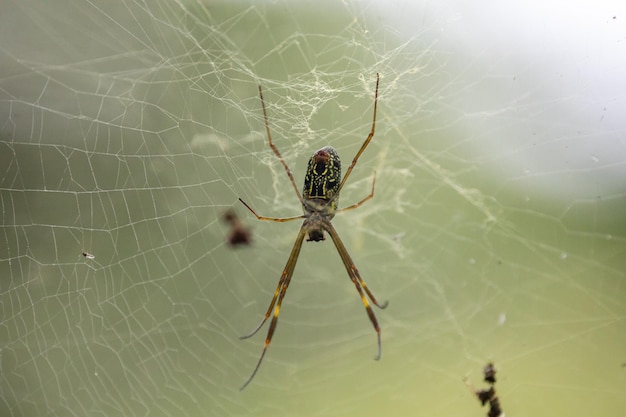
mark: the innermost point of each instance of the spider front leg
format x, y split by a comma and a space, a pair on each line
279, 294
358, 282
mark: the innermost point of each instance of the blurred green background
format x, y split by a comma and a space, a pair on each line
496, 233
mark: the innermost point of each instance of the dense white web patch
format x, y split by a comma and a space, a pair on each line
496, 231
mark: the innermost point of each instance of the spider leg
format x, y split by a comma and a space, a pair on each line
367, 140
368, 197
285, 276
274, 219
353, 272
279, 294
275, 149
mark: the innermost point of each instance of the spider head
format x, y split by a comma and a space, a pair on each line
316, 236
322, 179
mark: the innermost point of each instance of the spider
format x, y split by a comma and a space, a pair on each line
322, 184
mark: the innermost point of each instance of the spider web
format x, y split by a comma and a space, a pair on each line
496, 233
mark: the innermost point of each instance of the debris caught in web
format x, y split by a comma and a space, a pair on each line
488, 396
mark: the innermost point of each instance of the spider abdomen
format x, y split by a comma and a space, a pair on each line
323, 176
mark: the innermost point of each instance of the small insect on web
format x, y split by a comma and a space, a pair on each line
239, 234
319, 199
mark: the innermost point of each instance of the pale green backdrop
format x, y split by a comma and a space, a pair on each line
497, 229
